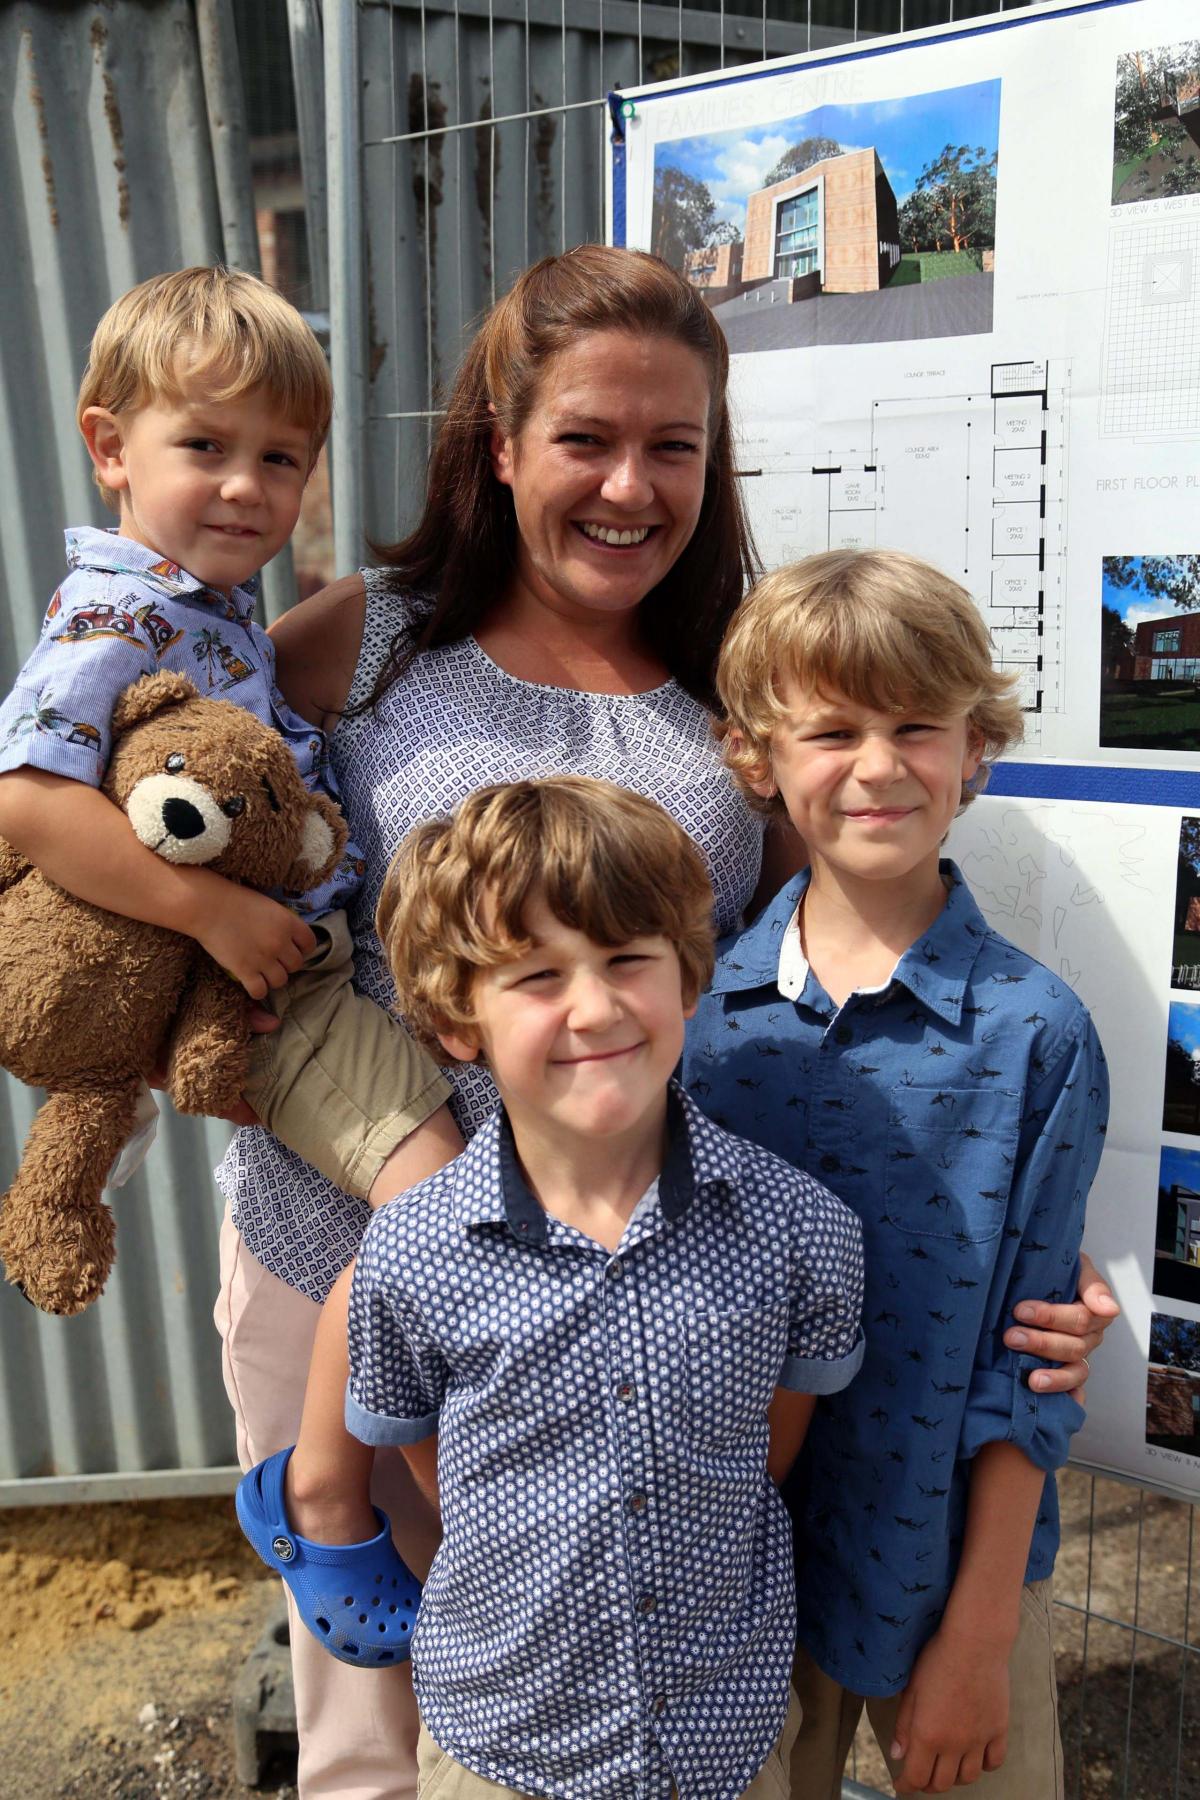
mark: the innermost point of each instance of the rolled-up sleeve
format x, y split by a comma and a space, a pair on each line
58, 716
825, 1340
1062, 1136
398, 1376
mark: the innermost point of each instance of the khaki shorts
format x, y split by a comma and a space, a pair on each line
341, 1082
439, 1777
1033, 1768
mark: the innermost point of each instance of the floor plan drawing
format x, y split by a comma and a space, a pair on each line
974, 482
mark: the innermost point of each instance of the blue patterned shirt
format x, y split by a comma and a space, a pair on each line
124, 612
960, 1110
611, 1609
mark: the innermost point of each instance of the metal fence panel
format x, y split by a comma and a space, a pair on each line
107, 176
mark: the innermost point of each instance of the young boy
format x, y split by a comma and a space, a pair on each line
873, 1029
602, 1325
204, 405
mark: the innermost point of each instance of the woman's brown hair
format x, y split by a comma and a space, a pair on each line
462, 553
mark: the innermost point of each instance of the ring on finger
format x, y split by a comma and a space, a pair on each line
1087, 1365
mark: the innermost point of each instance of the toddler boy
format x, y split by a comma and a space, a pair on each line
872, 1028
603, 1323
204, 405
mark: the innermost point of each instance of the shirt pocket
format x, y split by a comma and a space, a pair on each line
734, 1361
950, 1157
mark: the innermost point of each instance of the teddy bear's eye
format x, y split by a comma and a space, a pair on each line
175, 763
233, 807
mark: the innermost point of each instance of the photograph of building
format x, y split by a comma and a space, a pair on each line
868, 223
1150, 652
1173, 1384
1177, 1230
1181, 1086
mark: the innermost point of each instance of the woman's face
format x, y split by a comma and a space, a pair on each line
607, 475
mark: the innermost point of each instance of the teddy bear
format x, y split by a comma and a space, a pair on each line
91, 1002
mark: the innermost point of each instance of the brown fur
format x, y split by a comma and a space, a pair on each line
91, 1003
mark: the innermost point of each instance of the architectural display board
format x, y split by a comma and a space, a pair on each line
960, 276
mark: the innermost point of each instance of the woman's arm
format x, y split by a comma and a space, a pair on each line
317, 646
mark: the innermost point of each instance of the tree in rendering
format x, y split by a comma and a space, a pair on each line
685, 216
802, 156
1116, 640
959, 186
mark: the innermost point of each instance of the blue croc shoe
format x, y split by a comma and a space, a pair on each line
360, 1600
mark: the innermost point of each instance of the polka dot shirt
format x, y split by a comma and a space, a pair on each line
611, 1611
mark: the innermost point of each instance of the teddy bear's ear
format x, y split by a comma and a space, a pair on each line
150, 695
321, 847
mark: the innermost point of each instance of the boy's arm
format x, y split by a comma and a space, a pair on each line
83, 843
956, 1705
824, 1340
788, 1419
953, 1718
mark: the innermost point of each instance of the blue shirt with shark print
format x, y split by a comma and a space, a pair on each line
960, 1111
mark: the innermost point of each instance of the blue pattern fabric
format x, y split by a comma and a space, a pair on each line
960, 1110
123, 612
456, 722
610, 1611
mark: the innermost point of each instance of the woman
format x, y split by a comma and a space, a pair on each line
558, 609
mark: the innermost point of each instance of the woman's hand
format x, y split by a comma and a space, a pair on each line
1066, 1334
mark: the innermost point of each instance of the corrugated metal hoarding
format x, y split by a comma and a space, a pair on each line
107, 176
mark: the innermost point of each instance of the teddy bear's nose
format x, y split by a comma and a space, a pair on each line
181, 818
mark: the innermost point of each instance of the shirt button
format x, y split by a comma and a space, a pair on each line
843, 1035
647, 1604
615, 1269
625, 1391
637, 1501
830, 1163
658, 1705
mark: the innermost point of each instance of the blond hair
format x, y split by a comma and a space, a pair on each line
606, 862
214, 328
878, 626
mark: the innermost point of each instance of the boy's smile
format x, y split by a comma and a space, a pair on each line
213, 486
581, 1038
872, 793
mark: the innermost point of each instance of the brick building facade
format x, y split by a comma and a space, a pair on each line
1168, 649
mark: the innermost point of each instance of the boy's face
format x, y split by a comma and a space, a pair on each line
580, 1037
214, 488
871, 793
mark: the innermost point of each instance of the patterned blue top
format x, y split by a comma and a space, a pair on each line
611, 1606
455, 722
124, 612
960, 1111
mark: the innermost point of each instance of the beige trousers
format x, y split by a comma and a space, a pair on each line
1033, 1768
441, 1778
357, 1727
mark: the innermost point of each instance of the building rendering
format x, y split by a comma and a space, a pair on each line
1167, 649
833, 228
716, 266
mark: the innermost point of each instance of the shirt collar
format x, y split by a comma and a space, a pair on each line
935, 970
491, 1190
90, 547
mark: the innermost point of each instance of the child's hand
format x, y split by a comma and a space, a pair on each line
253, 938
953, 1718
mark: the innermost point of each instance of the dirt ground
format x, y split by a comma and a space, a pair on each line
126, 1627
